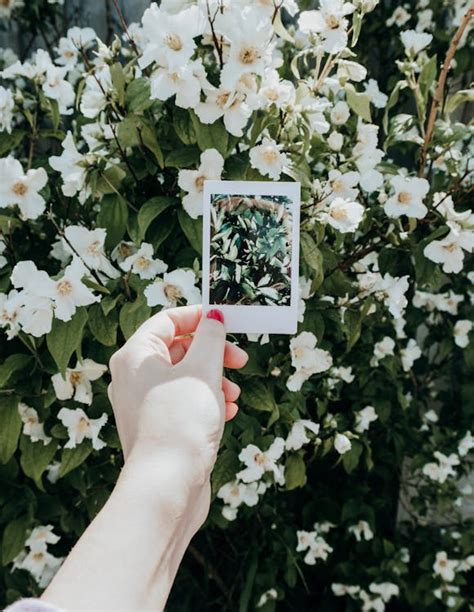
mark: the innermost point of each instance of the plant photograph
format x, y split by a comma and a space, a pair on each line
250, 258
344, 480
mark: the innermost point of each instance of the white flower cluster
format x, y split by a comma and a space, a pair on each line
380, 593
36, 560
306, 359
314, 543
32, 427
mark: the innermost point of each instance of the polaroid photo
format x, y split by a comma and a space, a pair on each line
251, 246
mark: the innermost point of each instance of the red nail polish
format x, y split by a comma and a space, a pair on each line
215, 314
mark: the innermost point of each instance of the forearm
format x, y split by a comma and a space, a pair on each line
128, 556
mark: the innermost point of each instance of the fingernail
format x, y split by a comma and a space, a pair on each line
216, 314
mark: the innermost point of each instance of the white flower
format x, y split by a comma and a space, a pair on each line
192, 181
31, 424
306, 359
175, 286
143, 264
236, 493
41, 564
340, 113
408, 197
80, 426
231, 106
123, 250
461, 332
341, 186
378, 99
183, 82
10, 309
431, 416
40, 537
335, 141
364, 418
343, 215
8, 6
400, 16
410, 354
72, 165
269, 595
342, 443
386, 590
7, 104
89, 246
449, 251
57, 88
258, 462
344, 589
276, 91
22, 189
329, 21
169, 39
229, 513
370, 603
319, 549
445, 567
361, 530
304, 286
3, 260
392, 290
297, 436
77, 382
52, 470
382, 349
444, 468
94, 97
268, 159
414, 42
466, 444
69, 46
250, 48
350, 71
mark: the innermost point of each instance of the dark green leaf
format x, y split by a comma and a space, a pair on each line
295, 472
183, 126
65, 338
212, 136
137, 97
150, 210
133, 314
257, 395
12, 364
103, 327
14, 536
73, 457
113, 215
10, 427
192, 229
35, 456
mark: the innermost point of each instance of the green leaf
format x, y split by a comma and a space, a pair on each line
137, 96
14, 536
225, 468
8, 224
73, 457
257, 395
295, 472
359, 103
427, 77
392, 101
192, 229
12, 364
134, 131
314, 258
103, 327
160, 231
460, 97
248, 583
183, 126
280, 28
109, 181
118, 81
54, 113
350, 459
212, 136
149, 211
35, 456
113, 215
9, 142
132, 315
353, 322
10, 427
109, 303
183, 158
65, 337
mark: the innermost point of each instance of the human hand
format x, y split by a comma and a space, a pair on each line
167, 389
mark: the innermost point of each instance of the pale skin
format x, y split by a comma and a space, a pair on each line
170, 402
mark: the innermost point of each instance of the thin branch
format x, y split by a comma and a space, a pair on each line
214, 35
125, 27
211, 572
109, 21
438, 95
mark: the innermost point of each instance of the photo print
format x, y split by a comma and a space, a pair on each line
250, 254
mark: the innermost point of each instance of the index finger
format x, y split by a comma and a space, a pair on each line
167, 324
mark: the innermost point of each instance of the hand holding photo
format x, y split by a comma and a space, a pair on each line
250, 254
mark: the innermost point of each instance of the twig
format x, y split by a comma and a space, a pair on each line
438, 95
214, 35
125, 27
211, 572
109, 21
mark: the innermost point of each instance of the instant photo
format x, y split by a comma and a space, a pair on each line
250, 254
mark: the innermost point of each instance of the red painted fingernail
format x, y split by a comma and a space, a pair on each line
215, 314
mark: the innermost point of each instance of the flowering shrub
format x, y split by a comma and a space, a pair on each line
339, 484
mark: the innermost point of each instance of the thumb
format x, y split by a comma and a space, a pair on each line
206, 353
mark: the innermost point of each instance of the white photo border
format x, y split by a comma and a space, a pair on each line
254, 319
